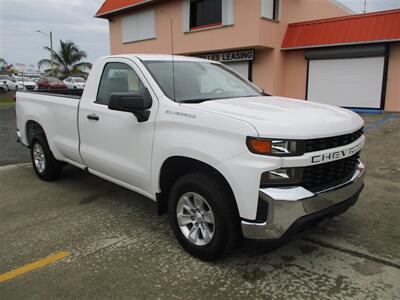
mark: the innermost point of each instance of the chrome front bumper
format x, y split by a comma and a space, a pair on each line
290, 206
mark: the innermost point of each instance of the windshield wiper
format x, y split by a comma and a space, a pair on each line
209, 99
197, 100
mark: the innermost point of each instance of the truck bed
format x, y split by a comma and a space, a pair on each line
56, 111
76, 93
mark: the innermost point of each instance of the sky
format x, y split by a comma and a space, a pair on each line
67, 19
73, 20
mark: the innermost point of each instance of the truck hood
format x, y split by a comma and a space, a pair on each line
279, 117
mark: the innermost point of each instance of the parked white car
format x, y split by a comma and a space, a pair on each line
10, 84
34, 77
75, 83
25, 83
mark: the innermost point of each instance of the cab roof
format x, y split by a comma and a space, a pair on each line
160, 57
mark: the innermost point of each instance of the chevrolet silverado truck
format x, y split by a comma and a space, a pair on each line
224, 159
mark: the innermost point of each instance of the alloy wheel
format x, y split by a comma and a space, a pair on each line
39, 158
195, 218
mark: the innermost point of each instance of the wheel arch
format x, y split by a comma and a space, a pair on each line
175, 167
33, 128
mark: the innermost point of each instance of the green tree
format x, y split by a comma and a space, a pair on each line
67, 61
3, 63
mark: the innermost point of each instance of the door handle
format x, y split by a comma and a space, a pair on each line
93, 117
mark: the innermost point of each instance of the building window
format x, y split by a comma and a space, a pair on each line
205, 13
270, 9
139, 26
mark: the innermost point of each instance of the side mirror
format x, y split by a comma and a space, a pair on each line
134, 103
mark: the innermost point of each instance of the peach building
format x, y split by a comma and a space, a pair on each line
308, 49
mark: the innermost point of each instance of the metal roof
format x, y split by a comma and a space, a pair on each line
354, 29
113, 6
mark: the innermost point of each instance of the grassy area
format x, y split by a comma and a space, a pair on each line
6, 100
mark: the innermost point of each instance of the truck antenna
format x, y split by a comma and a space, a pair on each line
173, 60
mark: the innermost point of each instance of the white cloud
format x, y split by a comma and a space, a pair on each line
68, 20
371, 5
74, 20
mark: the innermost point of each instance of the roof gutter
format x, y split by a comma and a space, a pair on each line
340, 44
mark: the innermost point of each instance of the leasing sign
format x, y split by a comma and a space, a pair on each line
231, 56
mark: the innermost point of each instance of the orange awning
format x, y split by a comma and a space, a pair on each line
355, 29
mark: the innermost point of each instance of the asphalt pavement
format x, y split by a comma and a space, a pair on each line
10, 151
90, 239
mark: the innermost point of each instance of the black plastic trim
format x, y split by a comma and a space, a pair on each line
385, 77
64, 93
300, 144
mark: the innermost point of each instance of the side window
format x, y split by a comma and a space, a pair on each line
139, 26
118, 78
205, 13
270, 9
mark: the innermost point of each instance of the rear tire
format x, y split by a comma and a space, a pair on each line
45, 165
205, 233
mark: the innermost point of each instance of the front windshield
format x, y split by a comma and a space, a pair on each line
52, 79
79, 79
4, 77
199, 81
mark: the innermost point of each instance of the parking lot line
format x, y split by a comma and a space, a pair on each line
32, 266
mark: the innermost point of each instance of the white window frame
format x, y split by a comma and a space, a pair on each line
138, 26
267, 13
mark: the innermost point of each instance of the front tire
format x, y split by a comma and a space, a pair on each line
45, 165
203, 216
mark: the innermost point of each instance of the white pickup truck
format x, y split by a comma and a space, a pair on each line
224, 159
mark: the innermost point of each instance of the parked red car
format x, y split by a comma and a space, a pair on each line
50, 83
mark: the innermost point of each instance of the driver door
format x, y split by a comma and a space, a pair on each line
114, 145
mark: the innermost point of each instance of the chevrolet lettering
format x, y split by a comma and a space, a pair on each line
336, 154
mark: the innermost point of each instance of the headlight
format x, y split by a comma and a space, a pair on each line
282, 176
272, 147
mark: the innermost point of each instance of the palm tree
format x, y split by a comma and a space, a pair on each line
67, 61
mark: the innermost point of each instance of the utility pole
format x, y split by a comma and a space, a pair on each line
365, 6
51, 48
